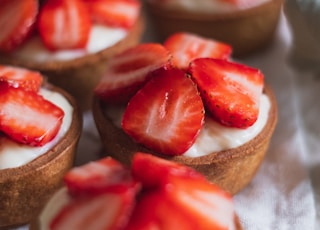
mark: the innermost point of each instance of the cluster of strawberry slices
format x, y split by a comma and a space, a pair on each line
168, 89
153, 194
25, 116
61, 24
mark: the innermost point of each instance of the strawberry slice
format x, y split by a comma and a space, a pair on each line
64, 24
20, 77
129, 70
153, 171
17, 19
202, 204
187, 46
167, 114
108, 211
105, 175
231, 91
27, 117
114, 13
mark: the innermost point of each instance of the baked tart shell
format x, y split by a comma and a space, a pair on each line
230, 169
247, 31
25, 189
80, 76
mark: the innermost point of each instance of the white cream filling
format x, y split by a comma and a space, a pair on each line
101, 37
52, 208
13, 154
213, 136
208, 6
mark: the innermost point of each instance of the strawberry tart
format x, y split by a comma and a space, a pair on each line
152, 194
68, 40
248, 25
215, 115
40, 126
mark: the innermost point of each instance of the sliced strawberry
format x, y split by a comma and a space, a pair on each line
17, 19
105, 175
20, 77
183, 204
187, 46
64, 24
153, 171
129, 70
114, 13
108, 211
231, 91
167, 114
27, 117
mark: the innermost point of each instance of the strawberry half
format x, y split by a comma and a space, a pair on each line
165, 115
64, 24
27, 117
153, 171
231, 91
114, 13
107, 211
183, 204
17, 19
129, 70
20, 77
185, 47
105, 175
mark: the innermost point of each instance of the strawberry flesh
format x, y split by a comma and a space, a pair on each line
185, 200
146, 167
107, 211
231, 91
64, 24
17, 20
27, 117
181, 198
186, 47
105, 175
114, 13
166, 114
20, 77
129, 70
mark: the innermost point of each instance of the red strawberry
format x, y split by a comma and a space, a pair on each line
129, 70
64, 24
183, 204
108, 211
153, 171
27, 117
98, 177
114, 13
17, 19
167, 114
186, 46
231, 91
20, 77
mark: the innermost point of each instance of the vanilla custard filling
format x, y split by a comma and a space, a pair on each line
208, 6
13, 154
100, 38
213, 136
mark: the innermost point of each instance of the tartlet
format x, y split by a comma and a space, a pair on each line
231, 169
25, 189
141, 200
78, 75
246, 30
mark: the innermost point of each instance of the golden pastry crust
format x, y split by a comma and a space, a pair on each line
25, 189
231, 169
79, 76
247, 31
